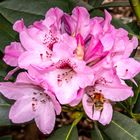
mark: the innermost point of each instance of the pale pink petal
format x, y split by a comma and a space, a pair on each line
28, 42
127, 68
134, 40
81, 18
64, 48
130, 46
33, 58
115, 93
107, 21
23, 78
64, 91
16, 90
96, 114
45, 117
56, 104
78, 99
96, 28
53, 17
107, 41
85, 80
106, 114
12, 53
21, 111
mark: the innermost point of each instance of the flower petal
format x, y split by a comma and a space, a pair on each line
64, 91
81, 18
45, 117
21, 111
127, 68
12, 53
115, 93
33, 58
16, 90
19, 25
55, 102
107, 41
106, 114
78, 99
53, 17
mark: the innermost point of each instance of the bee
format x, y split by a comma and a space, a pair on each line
97, 101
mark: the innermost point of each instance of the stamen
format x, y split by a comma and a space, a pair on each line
50, 39
80, 47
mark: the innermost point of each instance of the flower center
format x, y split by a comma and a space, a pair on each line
50, 39
39, 97
46, 56
96, 99
66, 71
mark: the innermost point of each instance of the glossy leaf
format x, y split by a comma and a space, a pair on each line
122, 127
6, 33
34, 10
115, 4
4, 113
61, 134
134, 26
73, 3
3, 68
97, 134
95, 3
119, 24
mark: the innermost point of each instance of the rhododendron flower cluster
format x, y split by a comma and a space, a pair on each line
68, 59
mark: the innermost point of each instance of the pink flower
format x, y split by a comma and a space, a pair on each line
98, 97
69, 58
32, 102
109, 47
68, 74
38, 39
12, 52
78, 22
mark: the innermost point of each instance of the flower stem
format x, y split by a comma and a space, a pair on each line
75, 122
135, 4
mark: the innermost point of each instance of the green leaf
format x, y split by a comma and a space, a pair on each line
6, 33
3, 68
35, 9
134, 26
30, 10
136, 108
4, 112
95, 3
119, 24
122, 127
61, 134
74, 3
96, 134
114, 4
6, 138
